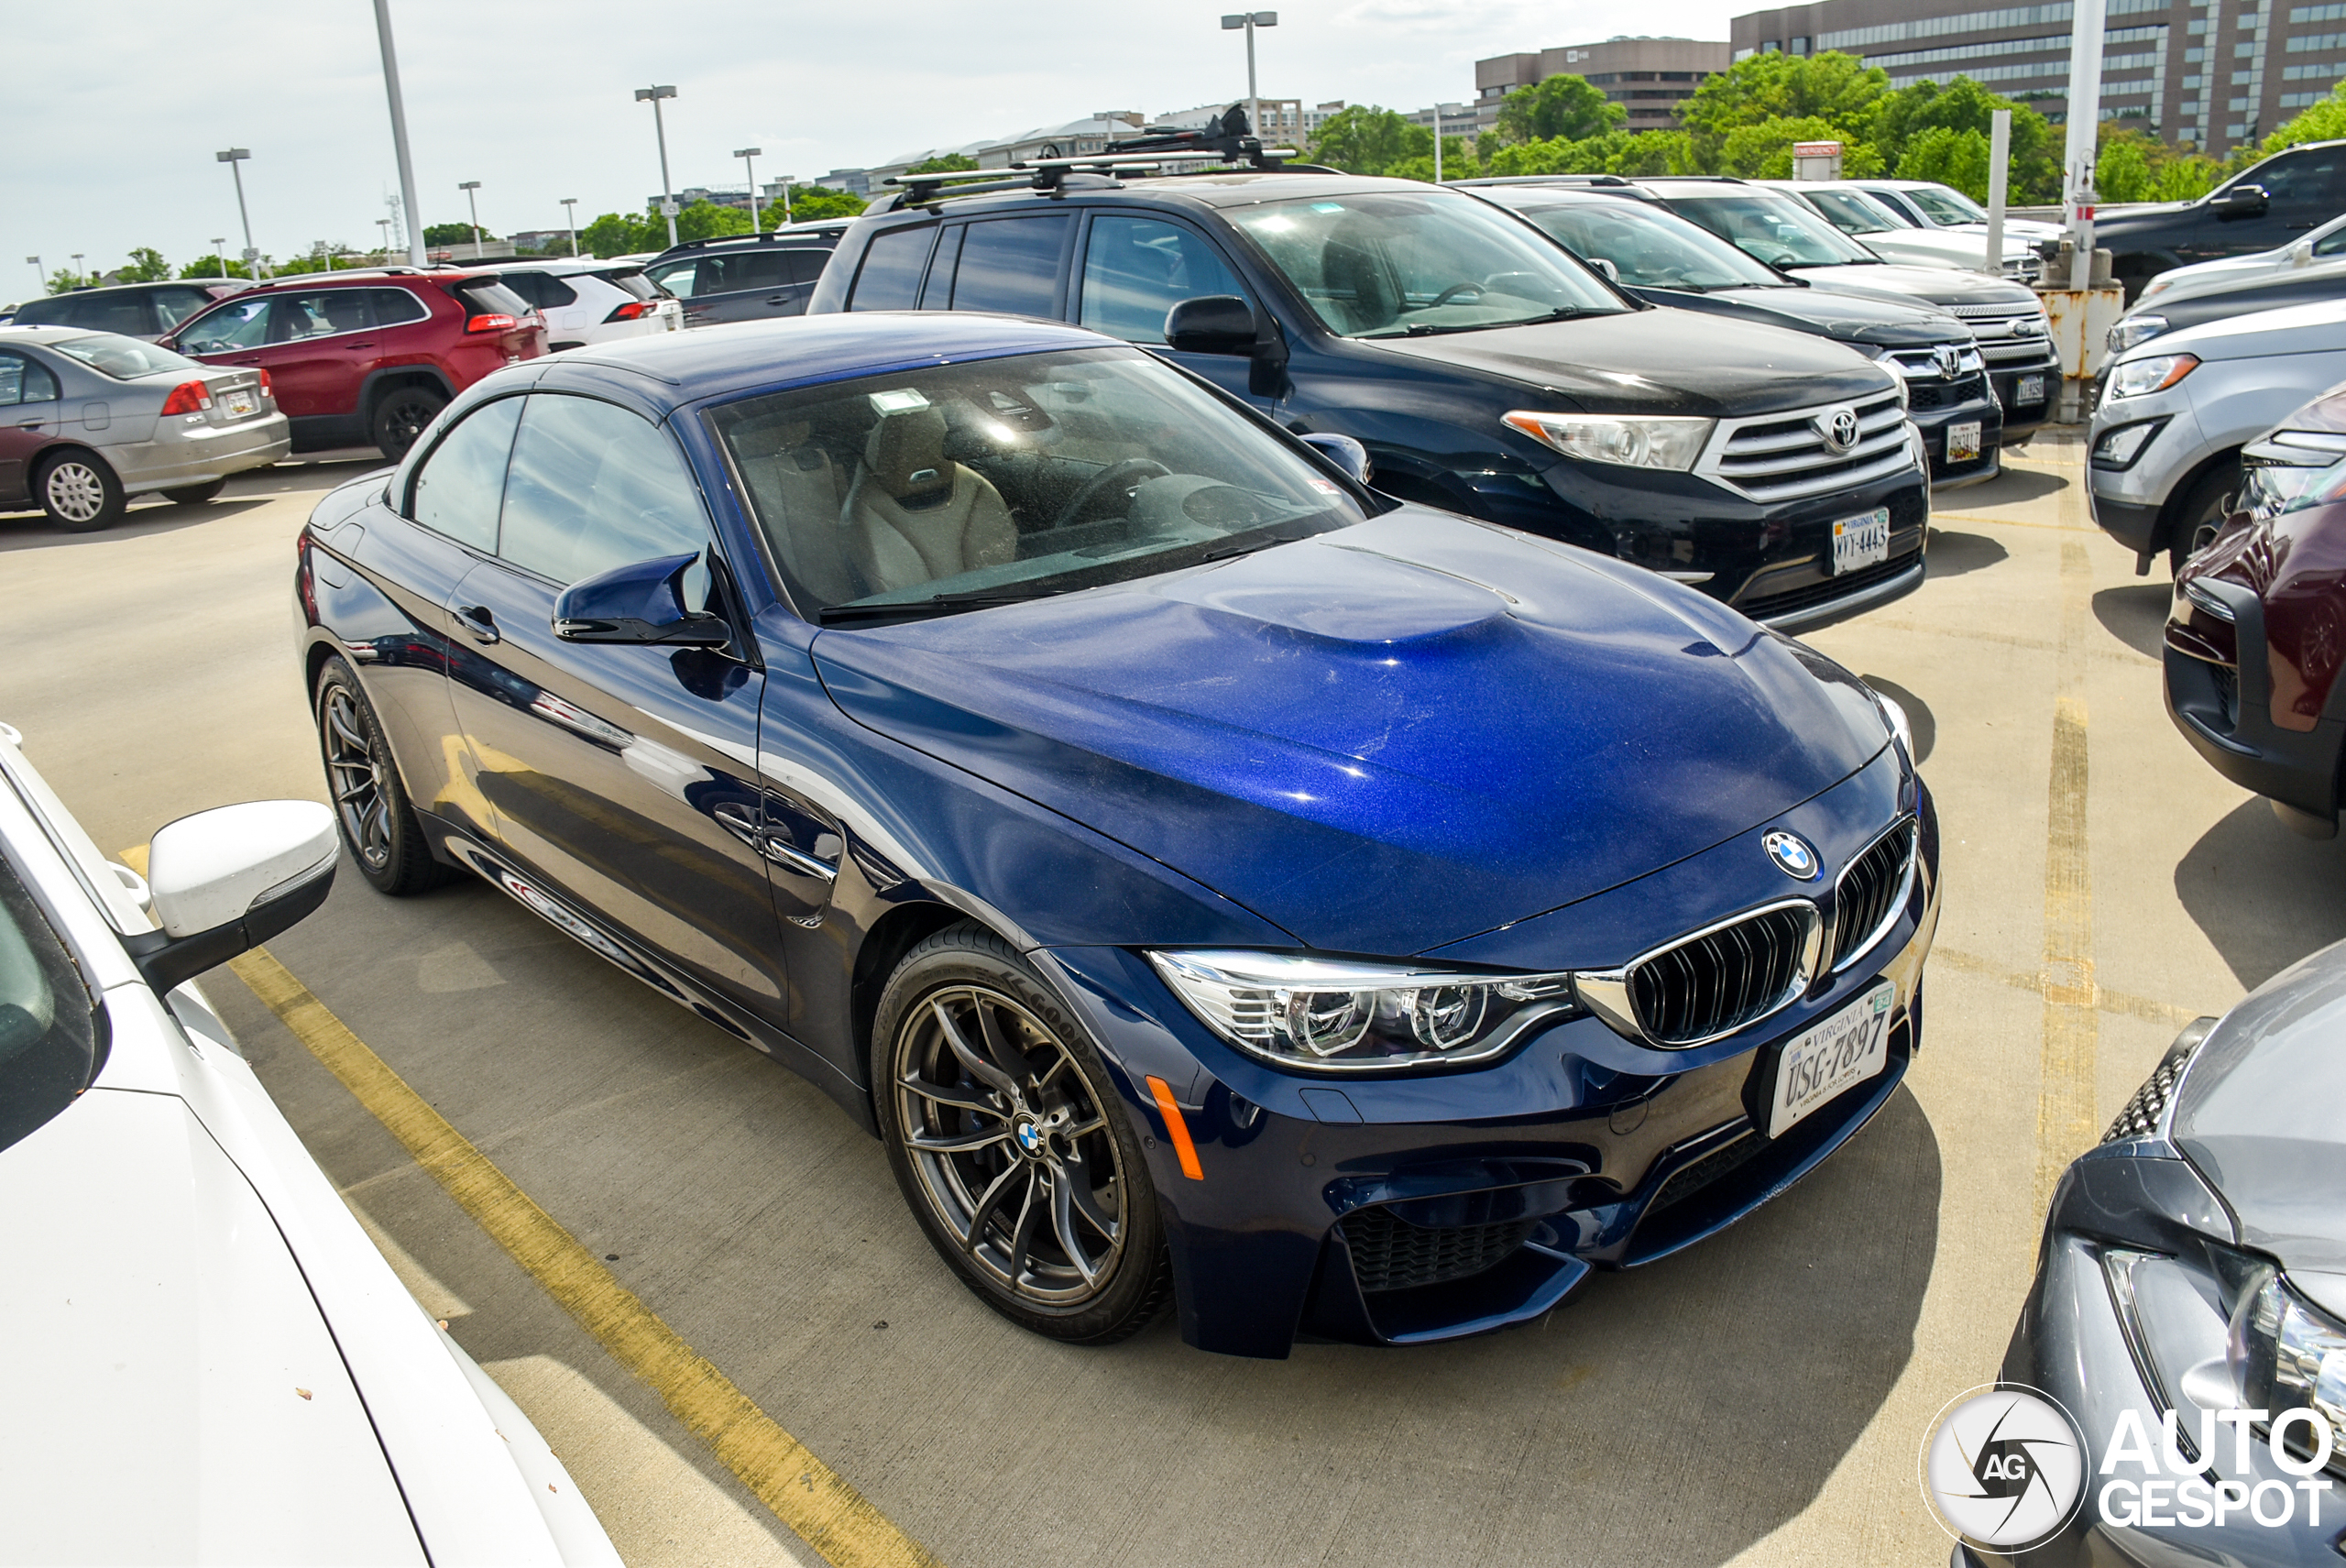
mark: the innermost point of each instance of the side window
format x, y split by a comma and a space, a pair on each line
676, 277
889, 276
937, 293
395, 307
23, 380
175, 305
594, 486
318, 313
743, 271
239, 323
1136, 269
1011, 265
456, 489
2332, 243
129, 315
806, 266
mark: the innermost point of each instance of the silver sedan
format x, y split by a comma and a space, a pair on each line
90, 419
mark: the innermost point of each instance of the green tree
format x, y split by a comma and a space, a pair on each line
439, 236
1836, 91
1764, 151
145, 266
1950, 157
809, 203
209, 266
1962, 104
65, 280
1564, 108
706, 220
1458, 161
2324, 121
951, 163
1367, 140
617, 234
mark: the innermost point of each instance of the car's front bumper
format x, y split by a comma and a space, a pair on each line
1937, 409
1580, 1150
181, 453
2027, 387
2130, 503
2225, 711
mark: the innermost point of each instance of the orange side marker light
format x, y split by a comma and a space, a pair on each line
1177, 1129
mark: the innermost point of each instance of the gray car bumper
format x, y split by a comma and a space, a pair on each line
198, 454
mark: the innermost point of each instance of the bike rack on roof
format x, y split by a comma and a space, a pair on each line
1227, 141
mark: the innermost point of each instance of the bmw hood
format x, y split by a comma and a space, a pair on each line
1384, 739
1848, 318
1660, 362
2257, 1114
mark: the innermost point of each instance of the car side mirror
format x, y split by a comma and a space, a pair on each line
1343, 452
224, 881
2301, 253
2244, 201
1213, 323
642, 602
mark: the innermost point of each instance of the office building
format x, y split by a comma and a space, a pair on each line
1648, 77
2190, 70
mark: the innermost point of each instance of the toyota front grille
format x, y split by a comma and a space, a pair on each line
1789, 457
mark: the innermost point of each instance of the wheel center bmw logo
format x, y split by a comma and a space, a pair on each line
1793, 855
1029, 1136
1839, 427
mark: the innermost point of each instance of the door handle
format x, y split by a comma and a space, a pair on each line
477, 619
30, 423
777, 298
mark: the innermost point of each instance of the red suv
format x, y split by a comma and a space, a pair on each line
361, 357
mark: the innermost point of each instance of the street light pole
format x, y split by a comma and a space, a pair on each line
570, 217
77, 264
472, 204
749, 156
659, 128
1437, 144
385, 224
220, 254
1250, 20
399, 130
34, 262
234, 157
785, 198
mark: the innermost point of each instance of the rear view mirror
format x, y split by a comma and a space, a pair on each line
1343, 452
642, 602
222, 882
1611, 273
1215, 324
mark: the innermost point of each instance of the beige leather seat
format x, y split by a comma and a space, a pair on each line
915, 516
795, 489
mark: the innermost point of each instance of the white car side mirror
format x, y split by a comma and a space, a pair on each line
226, 880
2301, 253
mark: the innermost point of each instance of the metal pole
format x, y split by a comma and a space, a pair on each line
34, 262
2000, 157
659, 128
220, 254
1253, 102
570, 217
785, 201
399, 131
2085, 122
1437, 144
472, 204
748, 154
77, 264
234, 158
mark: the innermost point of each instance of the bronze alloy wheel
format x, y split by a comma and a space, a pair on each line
1008, 1140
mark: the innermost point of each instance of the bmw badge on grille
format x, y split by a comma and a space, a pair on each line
1793, 855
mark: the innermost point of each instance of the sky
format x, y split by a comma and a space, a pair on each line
536, 100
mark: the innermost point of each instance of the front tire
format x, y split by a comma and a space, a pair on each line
79, 492
400, 418
2203, 507
370, 804
195, 495
1006, 1135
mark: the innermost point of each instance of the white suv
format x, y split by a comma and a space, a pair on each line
585, 301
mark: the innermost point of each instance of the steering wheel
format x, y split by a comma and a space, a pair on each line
1448, 294
1131, 471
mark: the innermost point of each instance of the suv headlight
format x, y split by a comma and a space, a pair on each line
2137, 377
1665, 442
1339, 1015
2284, 1354
2134, 330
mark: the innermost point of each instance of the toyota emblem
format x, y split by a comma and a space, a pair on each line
1839, 427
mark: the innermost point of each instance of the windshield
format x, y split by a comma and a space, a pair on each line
1776, 230
1396, 264
631, 280
1851, 213
124, 358
952, 487
1942, 205
1652, 248
48, 1049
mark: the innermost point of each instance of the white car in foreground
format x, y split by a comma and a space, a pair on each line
209, 1361
585, 301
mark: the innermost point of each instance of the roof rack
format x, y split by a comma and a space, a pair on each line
1227, 140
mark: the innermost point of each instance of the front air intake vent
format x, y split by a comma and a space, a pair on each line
1390, 1254
1718, 981
1869, 894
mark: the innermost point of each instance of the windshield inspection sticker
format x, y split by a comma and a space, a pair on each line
2007, 1468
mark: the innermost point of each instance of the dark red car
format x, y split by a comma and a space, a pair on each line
2258, 629
362, 358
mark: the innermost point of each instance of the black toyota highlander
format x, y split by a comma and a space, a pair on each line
1484, 369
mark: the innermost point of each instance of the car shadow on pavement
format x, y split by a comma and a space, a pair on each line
1953, 553
1918, 715
33, 531
307, 474
2264, 897
2136, 615
2010, 488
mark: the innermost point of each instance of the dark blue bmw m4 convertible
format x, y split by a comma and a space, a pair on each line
1213, 881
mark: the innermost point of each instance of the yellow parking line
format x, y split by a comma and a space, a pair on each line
806, 1494
2065, 1096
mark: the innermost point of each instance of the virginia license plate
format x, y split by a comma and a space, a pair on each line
1862, 540
1963, 441
1848, 1047
239, 401
2029, 389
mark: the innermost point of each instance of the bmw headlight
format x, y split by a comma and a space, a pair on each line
2126, 334
2138, 378
1661, 442
1340, 1016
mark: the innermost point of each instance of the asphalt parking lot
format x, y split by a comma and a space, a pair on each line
1756, 1399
